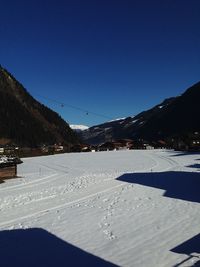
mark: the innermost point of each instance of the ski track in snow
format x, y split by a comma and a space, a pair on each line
130, 224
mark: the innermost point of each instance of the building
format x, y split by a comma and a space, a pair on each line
8, 167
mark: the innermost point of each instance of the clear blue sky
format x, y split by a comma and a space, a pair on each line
113, 57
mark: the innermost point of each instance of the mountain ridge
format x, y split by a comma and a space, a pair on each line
173, 117
25, 121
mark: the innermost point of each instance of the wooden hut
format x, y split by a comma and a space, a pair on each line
8, 167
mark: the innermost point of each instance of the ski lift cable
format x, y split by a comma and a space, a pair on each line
86, 111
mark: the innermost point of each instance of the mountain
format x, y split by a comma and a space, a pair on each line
173, 117
26, 122
78, 128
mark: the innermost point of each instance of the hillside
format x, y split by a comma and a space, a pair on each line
178, 118
26, 122
173, 117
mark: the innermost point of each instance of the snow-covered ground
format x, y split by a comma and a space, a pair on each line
122, 208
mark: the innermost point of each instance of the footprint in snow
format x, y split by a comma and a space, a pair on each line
109, 234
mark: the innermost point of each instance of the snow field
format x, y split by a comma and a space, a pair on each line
90, 201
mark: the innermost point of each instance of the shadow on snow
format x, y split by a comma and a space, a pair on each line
38, 248
184, 153
188, 247
196, 166
179, 185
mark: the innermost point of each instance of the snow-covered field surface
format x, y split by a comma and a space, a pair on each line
121, 208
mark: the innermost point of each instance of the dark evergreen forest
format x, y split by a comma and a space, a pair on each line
26, 122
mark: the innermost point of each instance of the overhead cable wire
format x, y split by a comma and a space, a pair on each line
86, 111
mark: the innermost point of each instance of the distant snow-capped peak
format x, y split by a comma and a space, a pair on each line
118, 119
78, 128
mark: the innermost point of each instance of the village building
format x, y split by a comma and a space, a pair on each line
58, 148
81, 148
121, 144
8, 167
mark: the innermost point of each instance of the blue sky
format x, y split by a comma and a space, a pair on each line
115, 58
